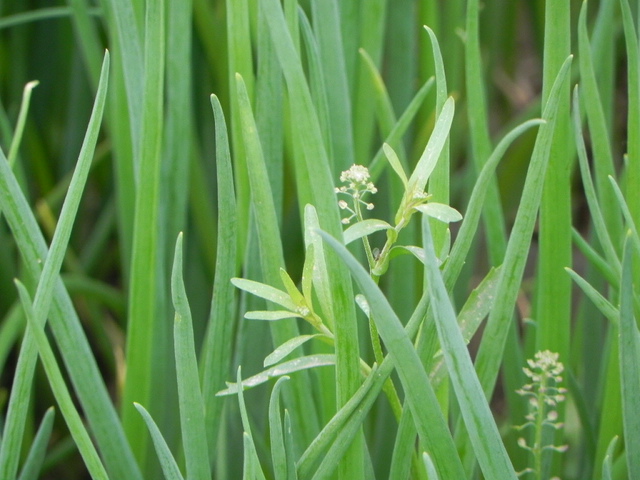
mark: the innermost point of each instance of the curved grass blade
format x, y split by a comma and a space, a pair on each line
326, 22
602, 224
298, 398
315, 186
605, 307
474, 209
490, 451
276, 435
194, 435
394, 137
56, 381
479, 131
426, 164
346, 422
625, 208
633, 115
252, 468
286, 348
288, 445
494, 338
629, 338
264, 291
606, 464
33, 463
295, 365
429, 466
599, 134
216, 356
22, 118
167, 462
424, 405
364, 228
64, 321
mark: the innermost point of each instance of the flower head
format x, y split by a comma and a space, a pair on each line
357, 178
544, 394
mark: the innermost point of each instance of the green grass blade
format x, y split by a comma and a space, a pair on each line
69, 335
276, 435
326, 24
439, 181
606, 465
373, 17
315, 186
271, 257
194, 435
128, 40
89, 41
252, 468
605, 307
553, 287
269, 106
17, 409
633, 115
298, 364
479, 130
22, 118
143, 332
629, 338
215, 360
469, 225
599, 133
494, 338
65, 402
178, 129
625, 208
167, 462
475, 410
292, 473
378, 163
33, 463
431, 154
602, 225
421, 397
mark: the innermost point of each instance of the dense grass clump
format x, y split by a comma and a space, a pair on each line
308, 239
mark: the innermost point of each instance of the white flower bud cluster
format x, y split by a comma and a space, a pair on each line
358, 186
544, 394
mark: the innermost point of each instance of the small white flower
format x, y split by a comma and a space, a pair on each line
357, 178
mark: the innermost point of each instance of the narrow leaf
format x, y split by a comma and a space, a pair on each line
286, 348
364, 228
295, 365
167, 462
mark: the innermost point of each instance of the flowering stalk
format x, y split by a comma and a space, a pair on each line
544, 395
359, 185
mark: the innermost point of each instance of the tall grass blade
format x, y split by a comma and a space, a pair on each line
479, 130
194, 435
494, 337
33, 463
215, 360
144, 334
475, 410
633, 115
68, 409
271, 256
426, 412
167, 462
64, 321
629, 338
276, 434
